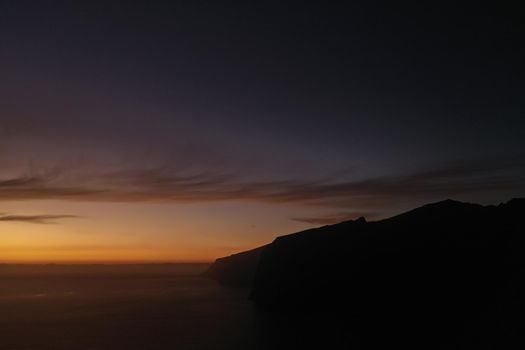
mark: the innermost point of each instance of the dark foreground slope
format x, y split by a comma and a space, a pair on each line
450, 272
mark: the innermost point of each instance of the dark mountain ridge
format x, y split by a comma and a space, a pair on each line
237, 269
449, 271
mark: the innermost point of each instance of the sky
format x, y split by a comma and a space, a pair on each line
151, 131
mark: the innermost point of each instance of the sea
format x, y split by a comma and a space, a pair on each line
147, 307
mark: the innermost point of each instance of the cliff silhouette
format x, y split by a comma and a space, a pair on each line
237, 269
450, 272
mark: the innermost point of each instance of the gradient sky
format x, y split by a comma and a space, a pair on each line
186, 130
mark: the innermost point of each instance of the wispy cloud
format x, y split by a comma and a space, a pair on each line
164, 184
35, 219
334, 218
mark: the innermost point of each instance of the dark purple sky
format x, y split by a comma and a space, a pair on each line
366, 108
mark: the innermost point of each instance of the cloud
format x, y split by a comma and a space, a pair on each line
166, 184
334, 218
35, 219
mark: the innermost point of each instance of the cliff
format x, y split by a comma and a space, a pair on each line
433, 270
237, 269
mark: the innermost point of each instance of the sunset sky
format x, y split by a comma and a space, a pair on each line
189, 130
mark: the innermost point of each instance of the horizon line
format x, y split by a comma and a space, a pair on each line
108, 262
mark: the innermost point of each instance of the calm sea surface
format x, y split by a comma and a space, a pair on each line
134, 307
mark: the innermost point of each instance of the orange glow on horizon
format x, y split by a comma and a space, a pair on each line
106, 233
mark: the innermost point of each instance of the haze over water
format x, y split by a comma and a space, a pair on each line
134, 306
99, 307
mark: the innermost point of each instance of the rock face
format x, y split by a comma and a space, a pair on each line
237, 269
435, 271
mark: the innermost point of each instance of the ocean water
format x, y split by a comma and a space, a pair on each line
122, 307
147, 307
